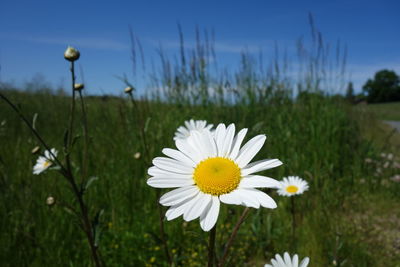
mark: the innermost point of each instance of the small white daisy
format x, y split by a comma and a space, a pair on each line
43, 163
183, 132
209, 168
292, 185
286, 261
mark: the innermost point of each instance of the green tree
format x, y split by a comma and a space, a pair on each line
385, 87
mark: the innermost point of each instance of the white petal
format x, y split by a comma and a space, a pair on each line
227, 141
248, 198
265, 200
179, 156
188, 150
168, 182
179, 195
249, 150
287, 259
209, 217
258, 181
198, 207
295, 261
220, 134
237, 142
261, 165
157, 172
280, 260
305, 262
276, 264
177, 210
231, 198
203, 142
172, 165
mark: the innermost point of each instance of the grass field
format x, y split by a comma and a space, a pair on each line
386, 111
347, 218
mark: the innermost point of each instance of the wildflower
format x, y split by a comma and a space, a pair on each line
286, 261
71, 54
43, 163
212, 168
292, 185
184, 132
79, 86
137, 155
395, 178
386, 165
50, 201
368, 160
128, 90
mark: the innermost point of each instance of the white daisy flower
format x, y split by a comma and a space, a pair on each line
292, 185
43, 163
183, 132
209, 168
286, 261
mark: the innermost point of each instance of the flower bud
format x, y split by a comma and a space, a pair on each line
35, 150
128, 90
79, 86
50, 201
71, 54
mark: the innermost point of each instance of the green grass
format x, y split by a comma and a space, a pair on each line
314, 137
386, 111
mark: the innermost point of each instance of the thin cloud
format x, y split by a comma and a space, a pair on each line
88, 42
219, 46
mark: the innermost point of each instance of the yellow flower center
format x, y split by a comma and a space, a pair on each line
46, 164
217, 176
292, 189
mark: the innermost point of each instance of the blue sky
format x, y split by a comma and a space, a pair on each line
34, 34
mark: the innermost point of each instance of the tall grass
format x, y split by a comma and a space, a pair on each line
309, 131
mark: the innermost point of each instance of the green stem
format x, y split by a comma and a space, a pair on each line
233, 235
211, 246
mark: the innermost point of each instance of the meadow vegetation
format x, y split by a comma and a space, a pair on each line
315, 135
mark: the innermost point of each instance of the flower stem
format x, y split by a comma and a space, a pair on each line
86, 136
293, 211
233, 235
162, 231
211, 246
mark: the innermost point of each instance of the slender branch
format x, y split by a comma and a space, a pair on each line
162, 230
87, 225
68, 146
86, 136
141, 126
211, 246
233, 235
35, 132
147, 162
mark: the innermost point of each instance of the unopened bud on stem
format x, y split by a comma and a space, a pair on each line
71, 54
50, 201
128, 90
35, 150
79, 86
